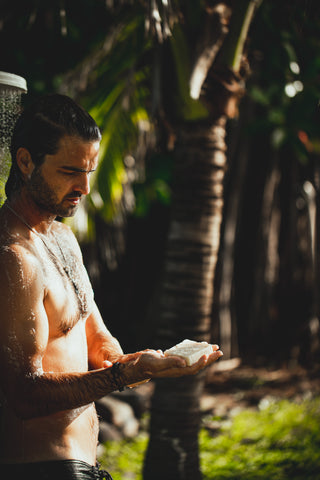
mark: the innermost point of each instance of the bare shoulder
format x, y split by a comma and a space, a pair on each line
16, 242
19, 263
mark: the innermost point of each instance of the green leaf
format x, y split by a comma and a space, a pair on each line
188, 108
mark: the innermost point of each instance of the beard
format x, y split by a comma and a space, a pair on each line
46, 198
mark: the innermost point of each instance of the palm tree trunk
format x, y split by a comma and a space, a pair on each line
191, 254
187, 295
193, 239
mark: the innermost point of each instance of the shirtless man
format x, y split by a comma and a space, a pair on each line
56, 355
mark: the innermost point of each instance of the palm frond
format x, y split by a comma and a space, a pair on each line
117, 91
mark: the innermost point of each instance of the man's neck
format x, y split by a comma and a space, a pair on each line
29, 212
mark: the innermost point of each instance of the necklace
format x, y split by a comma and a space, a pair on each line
22, 220
56, 260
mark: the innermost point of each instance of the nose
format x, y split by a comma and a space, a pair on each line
84, 184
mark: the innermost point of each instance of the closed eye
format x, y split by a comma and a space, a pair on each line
69, 174
72, 172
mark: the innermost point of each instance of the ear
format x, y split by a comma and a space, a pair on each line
24, 162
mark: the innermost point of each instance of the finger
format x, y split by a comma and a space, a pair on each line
150, 350
175, 361
215, 356
129, 356
107, 364
166, 365
205, 360
215, 347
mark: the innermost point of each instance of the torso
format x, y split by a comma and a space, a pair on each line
68, 301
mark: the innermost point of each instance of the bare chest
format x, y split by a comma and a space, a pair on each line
68, 292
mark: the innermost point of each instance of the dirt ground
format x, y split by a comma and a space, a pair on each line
232, 386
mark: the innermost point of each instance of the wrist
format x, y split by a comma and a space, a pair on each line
126, 375
117, 376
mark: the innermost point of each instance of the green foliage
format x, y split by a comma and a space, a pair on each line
157, 184
124, 459
232, 49
118, 104
2, 193
280, 441
285, 68
4, 173
282, 34
187, 108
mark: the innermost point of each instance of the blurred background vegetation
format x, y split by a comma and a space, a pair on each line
127, 63
277, 442
102, 54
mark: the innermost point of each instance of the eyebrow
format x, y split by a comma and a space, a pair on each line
76, 169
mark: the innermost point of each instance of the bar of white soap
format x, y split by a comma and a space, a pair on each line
190, 350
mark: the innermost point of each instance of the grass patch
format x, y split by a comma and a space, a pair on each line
124, 460
279, 442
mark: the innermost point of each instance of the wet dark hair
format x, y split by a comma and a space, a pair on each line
40, 128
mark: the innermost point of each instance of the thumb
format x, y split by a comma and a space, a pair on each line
107, 364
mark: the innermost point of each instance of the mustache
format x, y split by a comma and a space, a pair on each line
74, 195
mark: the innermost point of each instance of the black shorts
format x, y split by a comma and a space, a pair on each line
53, 470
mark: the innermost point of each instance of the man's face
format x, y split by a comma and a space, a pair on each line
59, 183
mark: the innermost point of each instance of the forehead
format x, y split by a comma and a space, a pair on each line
74, 151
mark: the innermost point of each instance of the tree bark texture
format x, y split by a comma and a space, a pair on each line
194, 234
187, 295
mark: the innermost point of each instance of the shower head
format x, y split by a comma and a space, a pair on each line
10, 80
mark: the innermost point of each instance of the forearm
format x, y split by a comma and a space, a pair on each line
49, 393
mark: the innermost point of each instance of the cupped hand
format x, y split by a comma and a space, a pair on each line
175, 366
147, 364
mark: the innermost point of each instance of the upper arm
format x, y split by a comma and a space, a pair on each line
24, 326
95, 327
101, 344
